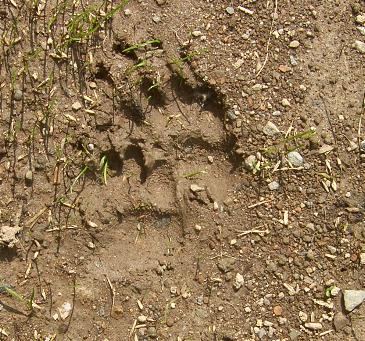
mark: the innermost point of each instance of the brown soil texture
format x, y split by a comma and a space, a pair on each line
181, 170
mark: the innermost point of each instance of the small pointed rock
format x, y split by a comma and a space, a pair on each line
353, 298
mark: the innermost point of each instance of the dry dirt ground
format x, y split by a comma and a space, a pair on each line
182, 170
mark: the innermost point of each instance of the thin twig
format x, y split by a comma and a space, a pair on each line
112, 291
73, 303
269, 39
259, 232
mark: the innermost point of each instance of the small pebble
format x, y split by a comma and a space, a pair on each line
238, 282
362, 146
360, 19
361, 29
18, 95
294, 334
195, 188
273, 186
196, 33
91, 245
28, 177
295, 159
360, 46
230, 10
142, 319
76, 106
362, 258
285, 103
127, 12
313, 325
294, 44
156, 19
270, 129
277, 310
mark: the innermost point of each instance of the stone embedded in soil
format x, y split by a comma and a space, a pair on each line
340, 321
294, 44
353, 298
28, 177
8, 235
295, 159
18, 95
152, 332
294, 334
226, 264
76, 106
359, 46
270, 129
196, 188
91, 245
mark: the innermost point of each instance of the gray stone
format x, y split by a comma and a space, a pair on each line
353, 298
18, 95
270, 129
294, 334
230, 10
295, 159
273, 186
293, 61
340, 321
231, 115
360, 46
